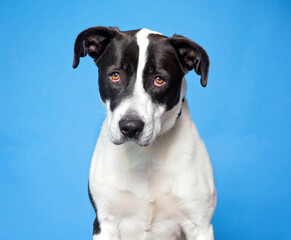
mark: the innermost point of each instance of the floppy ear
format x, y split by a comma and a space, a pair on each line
92, 41
191, 56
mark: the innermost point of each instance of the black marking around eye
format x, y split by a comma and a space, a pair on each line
121, 55
163, 61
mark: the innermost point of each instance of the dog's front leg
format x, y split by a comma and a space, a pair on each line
127, 229
205, 233
109, 231
196, 232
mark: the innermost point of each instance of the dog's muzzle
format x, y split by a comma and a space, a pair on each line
131, 128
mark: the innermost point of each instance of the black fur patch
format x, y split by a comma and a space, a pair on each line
96, 224
163, 61
121, 55
96, 227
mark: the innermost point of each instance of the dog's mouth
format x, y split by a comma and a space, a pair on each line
142, 144
136, 140
143, 139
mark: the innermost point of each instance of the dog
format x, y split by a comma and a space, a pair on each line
150, 176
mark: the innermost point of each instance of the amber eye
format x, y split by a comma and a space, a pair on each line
115, 77
159, 81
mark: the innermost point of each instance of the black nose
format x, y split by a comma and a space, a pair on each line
130, 128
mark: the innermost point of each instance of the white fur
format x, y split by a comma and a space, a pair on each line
161, 192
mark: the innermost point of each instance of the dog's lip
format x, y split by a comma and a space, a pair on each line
140, 140
119, 142
145, 143
136, 141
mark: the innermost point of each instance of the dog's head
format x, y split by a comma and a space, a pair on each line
141, 78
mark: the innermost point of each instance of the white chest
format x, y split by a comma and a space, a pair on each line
152, 194
144, 203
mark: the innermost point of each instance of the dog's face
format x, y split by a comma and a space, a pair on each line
141, 78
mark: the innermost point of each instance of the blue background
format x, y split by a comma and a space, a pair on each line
51, 114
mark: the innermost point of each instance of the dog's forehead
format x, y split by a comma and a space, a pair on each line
143, 37
130, 46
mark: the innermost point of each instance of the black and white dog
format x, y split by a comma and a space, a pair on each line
150, 176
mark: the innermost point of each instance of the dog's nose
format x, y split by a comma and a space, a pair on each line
130, 128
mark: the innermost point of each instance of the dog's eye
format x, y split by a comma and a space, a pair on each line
115, 77
159, 81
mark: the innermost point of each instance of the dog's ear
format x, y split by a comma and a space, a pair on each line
93, 41
191, 56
